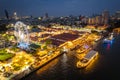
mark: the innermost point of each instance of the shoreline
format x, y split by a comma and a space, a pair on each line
29, 70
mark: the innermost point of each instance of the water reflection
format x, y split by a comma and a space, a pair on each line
64, 65
48, 66
108, 46
64, 59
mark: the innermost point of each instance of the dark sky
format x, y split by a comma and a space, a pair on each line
58, 7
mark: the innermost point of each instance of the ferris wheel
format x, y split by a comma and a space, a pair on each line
21, 32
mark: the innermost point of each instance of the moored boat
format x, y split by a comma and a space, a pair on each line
87, 59
109, 39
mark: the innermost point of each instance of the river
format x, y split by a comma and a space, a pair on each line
105, 67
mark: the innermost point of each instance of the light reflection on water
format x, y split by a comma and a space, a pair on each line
47, 66
108, 46
64, 58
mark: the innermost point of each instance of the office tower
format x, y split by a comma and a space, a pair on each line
117, 15
6, 14
105, 17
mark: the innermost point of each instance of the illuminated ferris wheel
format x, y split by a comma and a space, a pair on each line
21, 33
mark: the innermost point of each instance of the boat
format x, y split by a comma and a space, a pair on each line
87, 59
109, 39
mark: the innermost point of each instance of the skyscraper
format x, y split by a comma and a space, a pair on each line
117, 15
45, 17
98, 19
6, 14
105, 17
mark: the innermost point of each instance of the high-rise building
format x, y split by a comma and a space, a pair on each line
84, 20
105, 17
6, 14
98, 19
45, 17
117, 15
92, 20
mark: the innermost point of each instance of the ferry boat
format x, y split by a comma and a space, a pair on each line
108, 39
87, 59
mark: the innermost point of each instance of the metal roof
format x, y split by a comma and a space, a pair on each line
90, 54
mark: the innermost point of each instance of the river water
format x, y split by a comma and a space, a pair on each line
105, 67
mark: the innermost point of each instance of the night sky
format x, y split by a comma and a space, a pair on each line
58, 7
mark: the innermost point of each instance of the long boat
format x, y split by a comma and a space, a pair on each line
87, 59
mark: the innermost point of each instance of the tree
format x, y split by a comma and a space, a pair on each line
48, 42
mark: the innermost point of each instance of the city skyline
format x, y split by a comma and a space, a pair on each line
57, 7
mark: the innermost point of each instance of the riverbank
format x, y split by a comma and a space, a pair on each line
30, 68
36, 66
